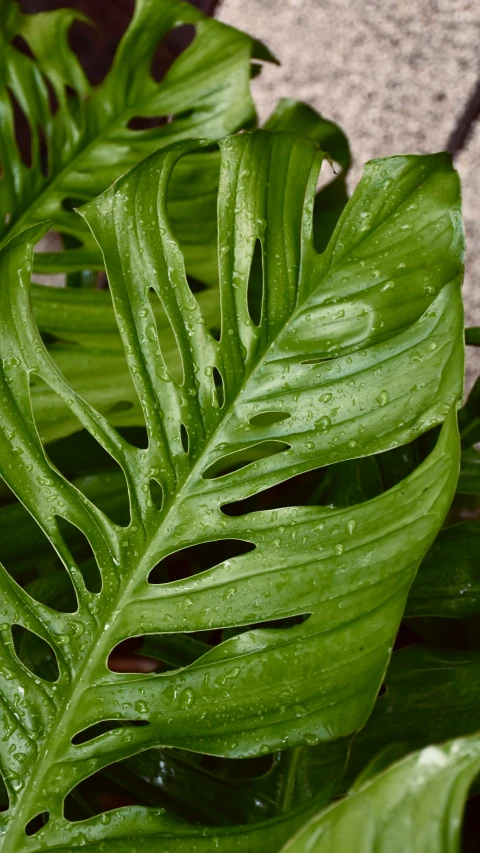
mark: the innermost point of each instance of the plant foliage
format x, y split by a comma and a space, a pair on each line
315, 371
82, 138
221, 475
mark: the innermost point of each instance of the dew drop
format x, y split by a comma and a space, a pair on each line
151, 332
187, 698
323, 423
382, 398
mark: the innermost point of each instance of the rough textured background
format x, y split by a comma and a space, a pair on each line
396, 74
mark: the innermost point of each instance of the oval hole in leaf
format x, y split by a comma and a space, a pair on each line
4, 799
126, 657
135, 435
219, 386
97, 729
81, 551
184, 437
23, 131
29, 557
43, 152
55, 420
174, 43
255, 284
22, 46
195, 285
103, 792
269, 418
172, 651
283, 624
146, 123
156, 494
241, 458
198, 558
52, 95
35, 653
37, 823
94, 472
231, 769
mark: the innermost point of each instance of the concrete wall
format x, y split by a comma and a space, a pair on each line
395, 74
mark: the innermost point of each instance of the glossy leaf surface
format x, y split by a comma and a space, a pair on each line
415, 806
448, 581
430, 696
327, 371
82, 138
79, 324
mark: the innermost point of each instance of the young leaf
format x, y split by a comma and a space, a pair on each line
357, 350
415, 805
82, 138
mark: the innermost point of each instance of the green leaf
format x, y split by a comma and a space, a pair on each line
469, 479
304, 777
354, 352
82, 333
88, 141
415, 805
299, 118
448, 581
472, 336
69, 317
330, 201
469, 417
430, 696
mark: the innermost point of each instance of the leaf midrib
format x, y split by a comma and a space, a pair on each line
26, 218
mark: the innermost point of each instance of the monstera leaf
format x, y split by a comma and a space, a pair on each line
83, 138
416, 805
320, 358
79, 323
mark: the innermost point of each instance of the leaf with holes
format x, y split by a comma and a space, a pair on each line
78, 324
321, 358
77, 138
416, 805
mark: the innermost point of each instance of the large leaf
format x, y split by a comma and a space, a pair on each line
430, 696
79, 148
415, 806
352, 352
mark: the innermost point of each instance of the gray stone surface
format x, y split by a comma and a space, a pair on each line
394, 73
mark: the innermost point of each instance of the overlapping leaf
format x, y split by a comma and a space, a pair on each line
416, 805
447, 584
431, 696
325, 368
79, 324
